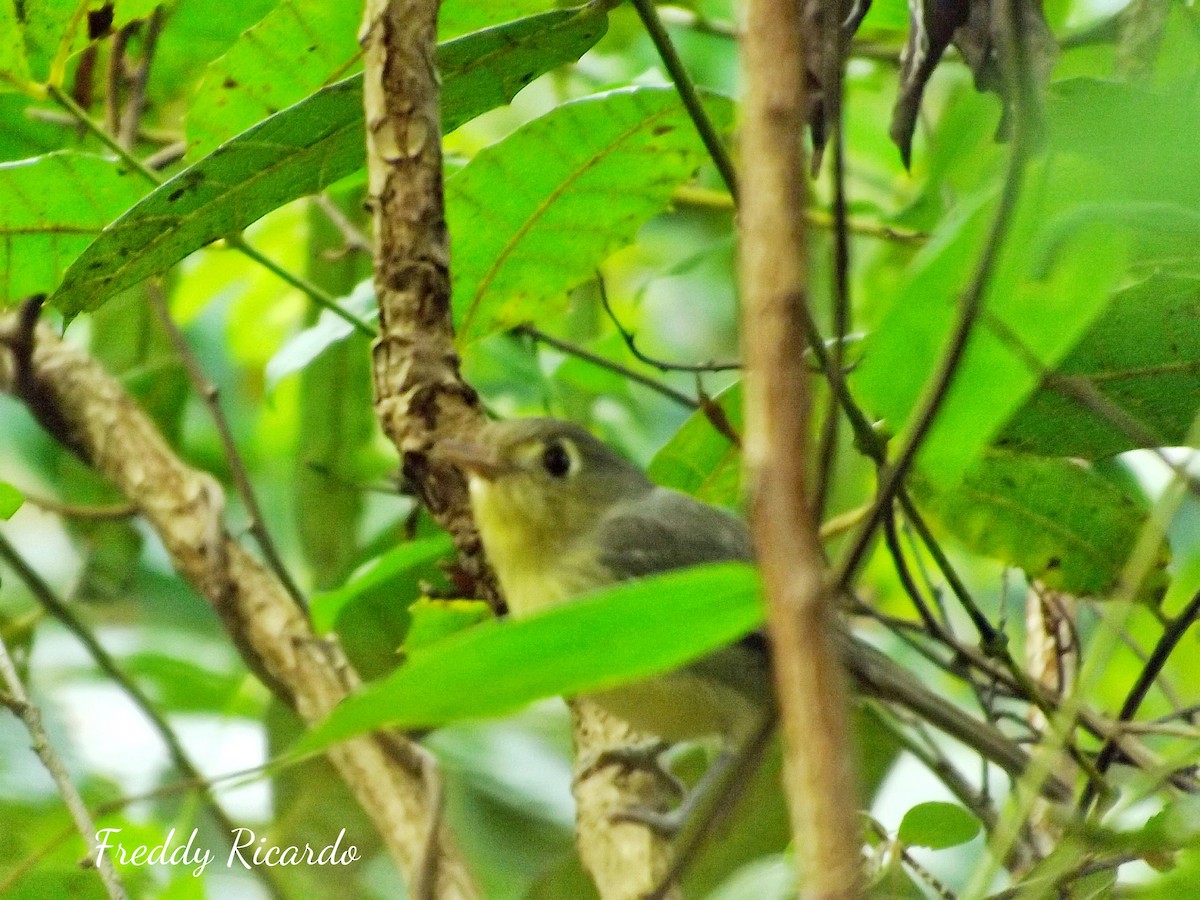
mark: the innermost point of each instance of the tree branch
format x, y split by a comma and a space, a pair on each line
422, 399
95, 417
809, 678
15, 698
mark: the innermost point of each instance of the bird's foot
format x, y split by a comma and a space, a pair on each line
643, 757
666, 824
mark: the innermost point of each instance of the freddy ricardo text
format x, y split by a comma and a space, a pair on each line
247, 850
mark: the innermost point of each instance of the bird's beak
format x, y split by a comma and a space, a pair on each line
472, 458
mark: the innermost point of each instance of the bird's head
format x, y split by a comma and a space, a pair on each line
541, 480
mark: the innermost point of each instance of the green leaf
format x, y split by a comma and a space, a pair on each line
56, 29
53, 207
620, 634
937, 825
457, 17
524, 235
435, 620
1143, 355
299, 46
10, 500
1042, 296
303, 150
700, 460
391, 574
14, 68
1058, 520
1133, 132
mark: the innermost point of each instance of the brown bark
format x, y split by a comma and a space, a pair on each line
625, 859
420, 396
90, 412
422, 399
819, 773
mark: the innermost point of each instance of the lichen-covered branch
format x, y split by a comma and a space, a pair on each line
89, 411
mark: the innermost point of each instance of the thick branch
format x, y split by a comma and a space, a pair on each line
420, 396
422, 399
811, 684
92, 414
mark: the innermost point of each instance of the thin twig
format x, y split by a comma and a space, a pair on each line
208, 394
941, 768
101, 810
708, 198
18, 701
352, 236
77, 511
908, 860
135, 102
660, 364
932, 625
687, 93
1154, 665
166, 156
935, 392
595, 359
114, 79
832, 99
63, 613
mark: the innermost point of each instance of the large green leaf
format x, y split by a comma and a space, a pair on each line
1060, 521
1143, 355
533, 215
1114, 165
699, 459
1045, 295
299, 46
306, 148
53, 207
620, 634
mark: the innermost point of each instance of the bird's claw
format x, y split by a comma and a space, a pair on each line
665, 824
642, 757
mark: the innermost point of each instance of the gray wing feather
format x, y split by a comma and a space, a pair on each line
665, 530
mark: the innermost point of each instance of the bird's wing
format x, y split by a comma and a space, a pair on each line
665, 530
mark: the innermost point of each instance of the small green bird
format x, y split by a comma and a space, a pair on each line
560, 513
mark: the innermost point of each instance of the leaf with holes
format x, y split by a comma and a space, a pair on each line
53, 207
306, 148
525, 234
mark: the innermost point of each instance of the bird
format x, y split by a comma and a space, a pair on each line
560, 514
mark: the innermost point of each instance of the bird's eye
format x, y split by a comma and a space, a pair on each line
556, 460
